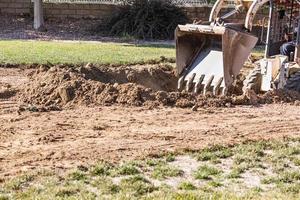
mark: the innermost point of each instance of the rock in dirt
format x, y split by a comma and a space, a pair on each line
66, 94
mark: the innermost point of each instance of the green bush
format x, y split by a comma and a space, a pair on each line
147, 19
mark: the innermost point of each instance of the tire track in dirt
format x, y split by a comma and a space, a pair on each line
108, 133
81, 135
7, 106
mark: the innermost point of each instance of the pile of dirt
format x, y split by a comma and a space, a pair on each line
52, 88
280, 96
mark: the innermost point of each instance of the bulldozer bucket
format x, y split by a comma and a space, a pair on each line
208, 57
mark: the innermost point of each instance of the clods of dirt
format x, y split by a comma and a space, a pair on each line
65, 86
280, 96
62, 86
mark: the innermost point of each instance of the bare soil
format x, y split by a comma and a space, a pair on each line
92, 113
21, 27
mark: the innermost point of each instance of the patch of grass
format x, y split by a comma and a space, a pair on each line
206, 172
65, 192
280, 166
214, 153
126, 169
28, 193
214, 184
290, 188
240, 159
268, 180
170, 158
77, 175
292, 151
296, 161
154, 162
137, 185
19, 182
101, 169
164, 171
248, 161
4, 197
236, 172
258, 51
223, 195
289, 177
105, 185
187, 186
206, 156
252, 149
257, 189
95, 181
284, 177
68, 191
42, 52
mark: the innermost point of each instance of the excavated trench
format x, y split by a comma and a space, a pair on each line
61, 86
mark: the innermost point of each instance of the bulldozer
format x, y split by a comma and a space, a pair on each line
210, 55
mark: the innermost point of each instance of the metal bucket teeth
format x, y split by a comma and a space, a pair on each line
198, 84
224, 91
207, 85
180, 83
202, 84
209, 57
206, 73
216, 89
189, 83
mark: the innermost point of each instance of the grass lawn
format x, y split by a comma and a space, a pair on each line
55, 52
42, 52
260, 170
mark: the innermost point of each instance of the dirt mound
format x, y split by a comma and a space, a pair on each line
280, 96
65, 86
61, 86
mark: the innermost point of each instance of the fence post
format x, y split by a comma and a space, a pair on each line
38, 15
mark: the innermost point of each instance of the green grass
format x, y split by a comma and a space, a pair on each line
126, 169
42, 52
164, 171
170, 158
105, 185
137, 186
236, 172
77, 175
187, 186
19, 182
160, 177
101, 168
296, 161
206, 172
214, 154
215, 184
154, 162
258, 51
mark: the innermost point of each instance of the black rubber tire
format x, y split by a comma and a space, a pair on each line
293, 82
253, 80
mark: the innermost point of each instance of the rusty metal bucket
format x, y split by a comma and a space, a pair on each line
209, 57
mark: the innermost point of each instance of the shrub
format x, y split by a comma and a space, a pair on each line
147, 19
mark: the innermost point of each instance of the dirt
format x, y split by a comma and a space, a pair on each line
69, 30
58, 87
123, 113
21, 27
